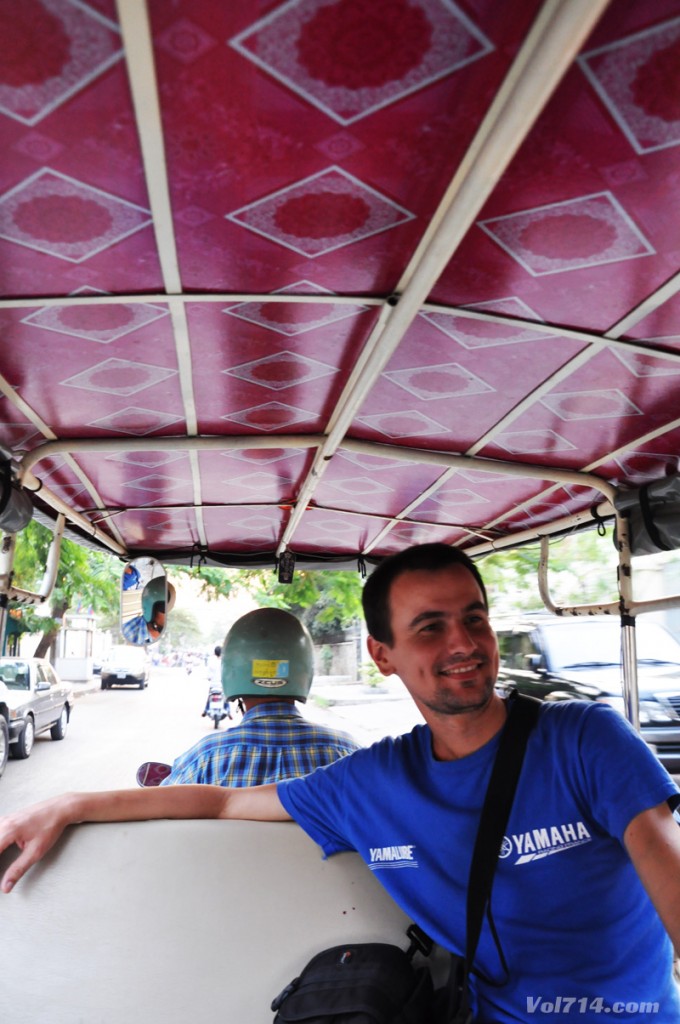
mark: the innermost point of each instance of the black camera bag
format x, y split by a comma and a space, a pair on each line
361, 983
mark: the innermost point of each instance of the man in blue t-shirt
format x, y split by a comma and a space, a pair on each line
587, 890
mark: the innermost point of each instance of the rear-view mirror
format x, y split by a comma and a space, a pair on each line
145, 600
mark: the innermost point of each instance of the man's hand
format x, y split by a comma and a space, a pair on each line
35, 831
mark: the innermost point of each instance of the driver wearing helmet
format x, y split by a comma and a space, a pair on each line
267, 665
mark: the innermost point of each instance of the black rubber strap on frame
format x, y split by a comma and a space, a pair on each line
648, 520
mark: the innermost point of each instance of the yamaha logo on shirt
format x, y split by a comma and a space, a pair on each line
543, 842
391, 857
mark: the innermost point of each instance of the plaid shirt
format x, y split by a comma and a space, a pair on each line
135, 630
273, 741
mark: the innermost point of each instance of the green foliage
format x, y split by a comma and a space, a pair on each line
91, 578
183, 631
25, 620
86, 580
371, 674
328, 601
215, 582
582, 570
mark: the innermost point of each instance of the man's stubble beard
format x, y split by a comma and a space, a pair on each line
446, 703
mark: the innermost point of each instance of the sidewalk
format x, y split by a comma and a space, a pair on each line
80, 687
339, 690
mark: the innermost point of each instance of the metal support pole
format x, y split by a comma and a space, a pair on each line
629, 660
6, 573
626, 609
631, 698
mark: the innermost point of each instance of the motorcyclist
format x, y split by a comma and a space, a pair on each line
214, 675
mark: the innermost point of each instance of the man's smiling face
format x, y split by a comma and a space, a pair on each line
444, 649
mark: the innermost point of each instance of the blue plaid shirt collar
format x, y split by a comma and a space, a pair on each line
279, 708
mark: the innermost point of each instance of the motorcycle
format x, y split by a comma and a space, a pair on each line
215, 708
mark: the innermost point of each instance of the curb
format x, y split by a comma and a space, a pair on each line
80, 689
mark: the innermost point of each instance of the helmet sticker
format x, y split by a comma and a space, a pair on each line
270, 674
268, 669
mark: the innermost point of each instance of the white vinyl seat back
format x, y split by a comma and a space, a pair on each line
172, 922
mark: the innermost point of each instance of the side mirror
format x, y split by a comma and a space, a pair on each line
145, 599
535, 662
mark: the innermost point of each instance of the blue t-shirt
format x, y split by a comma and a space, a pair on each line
571, 916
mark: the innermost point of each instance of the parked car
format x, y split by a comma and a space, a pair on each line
125, 666
580, 658
33, 699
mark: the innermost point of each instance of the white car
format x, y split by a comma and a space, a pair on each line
33, 699
125, 666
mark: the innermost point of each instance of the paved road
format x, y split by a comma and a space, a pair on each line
110, 733
113, 731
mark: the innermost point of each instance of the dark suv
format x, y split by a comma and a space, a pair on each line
580, 658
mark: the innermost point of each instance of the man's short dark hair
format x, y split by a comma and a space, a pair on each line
422, 557
218, 651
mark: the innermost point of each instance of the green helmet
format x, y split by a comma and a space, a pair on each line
153, 592
267, 653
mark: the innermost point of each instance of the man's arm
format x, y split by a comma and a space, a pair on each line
36, 829
653, 843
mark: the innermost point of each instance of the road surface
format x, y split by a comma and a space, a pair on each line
113, 731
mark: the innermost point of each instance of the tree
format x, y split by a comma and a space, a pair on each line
582, 570
86, 580
328, 601
183, 631
216, 582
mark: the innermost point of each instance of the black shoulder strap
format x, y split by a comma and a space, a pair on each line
522, 716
